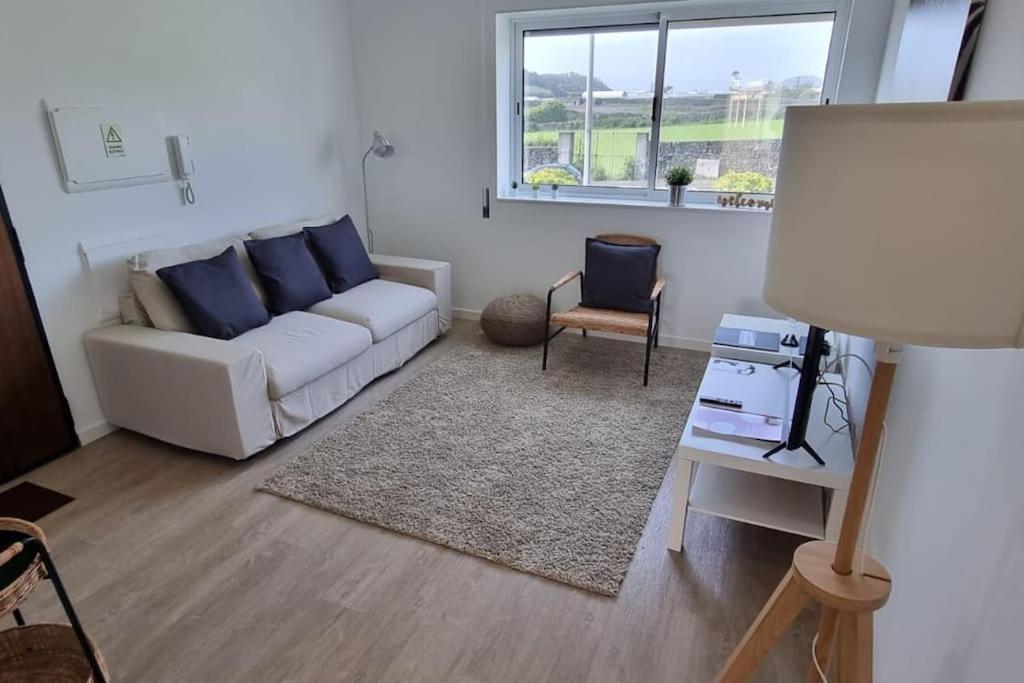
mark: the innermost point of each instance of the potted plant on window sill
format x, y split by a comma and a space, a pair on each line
554, 190
678, 178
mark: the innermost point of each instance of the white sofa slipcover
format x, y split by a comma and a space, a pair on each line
193, 391
299, 347
236, 397
381, 306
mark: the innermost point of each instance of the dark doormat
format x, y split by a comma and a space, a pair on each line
31, 502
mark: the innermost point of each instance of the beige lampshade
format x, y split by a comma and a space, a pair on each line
902, 222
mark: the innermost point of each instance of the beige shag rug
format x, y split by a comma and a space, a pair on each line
551, 473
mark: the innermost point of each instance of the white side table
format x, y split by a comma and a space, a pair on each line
730, 478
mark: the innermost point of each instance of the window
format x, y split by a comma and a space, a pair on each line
576, 128
604, 103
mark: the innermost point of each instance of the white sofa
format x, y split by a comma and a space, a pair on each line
234, 398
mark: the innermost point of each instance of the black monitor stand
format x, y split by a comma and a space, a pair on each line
797, 438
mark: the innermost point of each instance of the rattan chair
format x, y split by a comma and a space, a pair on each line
24, 562
606, 320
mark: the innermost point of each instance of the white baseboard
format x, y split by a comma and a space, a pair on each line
95, 431
663, 340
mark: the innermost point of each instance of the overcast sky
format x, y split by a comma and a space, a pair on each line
697, 59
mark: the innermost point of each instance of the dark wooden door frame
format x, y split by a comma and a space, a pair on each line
19, 257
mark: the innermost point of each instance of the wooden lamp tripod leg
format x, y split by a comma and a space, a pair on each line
786, 603
855, 648
823, 647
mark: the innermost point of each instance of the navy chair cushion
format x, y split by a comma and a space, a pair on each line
215, 295
619, 276
342, 255
290, 276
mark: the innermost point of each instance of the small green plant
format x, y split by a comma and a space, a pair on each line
536, 187
744, 181
679, 175
554, 187
552, 176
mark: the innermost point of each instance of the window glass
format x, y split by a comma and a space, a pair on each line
727, 86
588, 99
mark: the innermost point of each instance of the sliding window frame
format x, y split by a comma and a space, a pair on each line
703, 11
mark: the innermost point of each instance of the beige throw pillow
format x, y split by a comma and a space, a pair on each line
157, 300
284, 229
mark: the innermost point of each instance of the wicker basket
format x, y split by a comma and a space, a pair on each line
45, 652
15, 593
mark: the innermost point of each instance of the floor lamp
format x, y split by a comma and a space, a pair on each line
381, 148
904, 224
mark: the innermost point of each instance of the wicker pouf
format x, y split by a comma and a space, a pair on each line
516, 320
44, 652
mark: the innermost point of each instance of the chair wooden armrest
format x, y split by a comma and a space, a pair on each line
21, 526
10, 552
566, 279
658, 286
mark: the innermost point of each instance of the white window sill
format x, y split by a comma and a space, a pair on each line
618, 201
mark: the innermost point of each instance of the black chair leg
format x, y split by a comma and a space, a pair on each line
647, 359
657, 324
584, 332
18, 618
547, 331
653, 322
650, 341
69, 610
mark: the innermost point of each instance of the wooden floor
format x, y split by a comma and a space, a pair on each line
182, 572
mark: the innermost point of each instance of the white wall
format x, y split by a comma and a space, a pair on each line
264, 90
425, 75
949, 516
920, 65
920, 56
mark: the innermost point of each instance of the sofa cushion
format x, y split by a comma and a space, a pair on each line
216, 295
341, 255
157, 300
381, 306
300, 347
289, 275
132, 312
291, 228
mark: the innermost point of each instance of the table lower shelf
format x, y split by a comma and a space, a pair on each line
755, 499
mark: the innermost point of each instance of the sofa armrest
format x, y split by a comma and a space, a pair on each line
201, 393
433, 275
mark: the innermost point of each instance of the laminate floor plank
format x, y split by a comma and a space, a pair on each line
182, 571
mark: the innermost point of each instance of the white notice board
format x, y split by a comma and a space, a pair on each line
103, 147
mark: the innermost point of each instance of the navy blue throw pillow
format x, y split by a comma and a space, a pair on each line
215, 295
341, 255
288, 273
619, 276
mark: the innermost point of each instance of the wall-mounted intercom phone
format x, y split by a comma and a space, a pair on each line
184, 166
